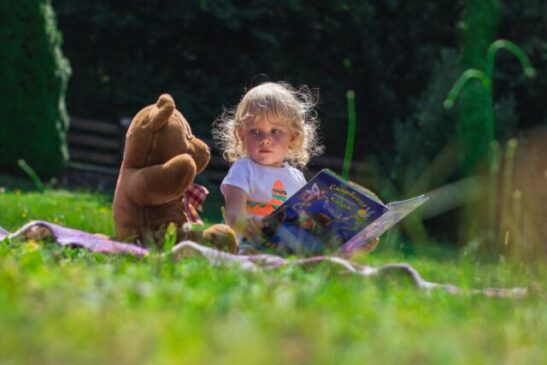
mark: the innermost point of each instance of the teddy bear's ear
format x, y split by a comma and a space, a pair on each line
160, 113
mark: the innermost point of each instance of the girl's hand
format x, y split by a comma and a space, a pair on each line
235, 214
368, 247
252, 229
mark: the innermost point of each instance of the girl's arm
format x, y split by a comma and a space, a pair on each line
235, 200
235, 213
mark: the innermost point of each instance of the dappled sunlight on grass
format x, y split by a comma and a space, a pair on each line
82, 210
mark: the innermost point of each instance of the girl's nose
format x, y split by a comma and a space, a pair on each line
265, 139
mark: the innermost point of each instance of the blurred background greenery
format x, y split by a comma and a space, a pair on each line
398, 57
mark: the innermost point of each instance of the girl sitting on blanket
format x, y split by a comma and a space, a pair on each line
268, 138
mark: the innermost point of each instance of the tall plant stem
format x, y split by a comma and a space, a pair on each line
492, 191
508, 167
350, 95
32, 174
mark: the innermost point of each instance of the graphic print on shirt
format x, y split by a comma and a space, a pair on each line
262, 208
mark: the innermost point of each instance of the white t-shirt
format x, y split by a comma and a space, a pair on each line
267, 187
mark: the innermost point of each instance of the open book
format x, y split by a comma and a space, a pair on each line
329, 214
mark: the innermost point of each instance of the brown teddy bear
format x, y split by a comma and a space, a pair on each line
161, 159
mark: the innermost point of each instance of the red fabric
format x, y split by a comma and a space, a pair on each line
193, 201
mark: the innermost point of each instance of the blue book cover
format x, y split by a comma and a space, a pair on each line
329, 215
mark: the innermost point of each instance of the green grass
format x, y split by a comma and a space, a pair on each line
64, 306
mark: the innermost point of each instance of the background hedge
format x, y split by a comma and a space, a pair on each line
33, 80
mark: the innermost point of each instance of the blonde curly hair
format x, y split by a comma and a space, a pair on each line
278, 101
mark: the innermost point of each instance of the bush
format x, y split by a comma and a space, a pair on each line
525, 23
33, 79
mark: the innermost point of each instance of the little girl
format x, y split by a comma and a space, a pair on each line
269, 135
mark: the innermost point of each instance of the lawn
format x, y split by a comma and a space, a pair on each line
65, 306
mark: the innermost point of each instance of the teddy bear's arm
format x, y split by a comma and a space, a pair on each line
159, 184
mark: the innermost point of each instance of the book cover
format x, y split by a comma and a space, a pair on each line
321, 217
329, 214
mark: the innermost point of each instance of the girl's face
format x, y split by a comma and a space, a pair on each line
266, 141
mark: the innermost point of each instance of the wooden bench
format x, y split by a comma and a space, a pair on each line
95, 153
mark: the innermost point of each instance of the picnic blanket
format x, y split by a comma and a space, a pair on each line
68, 237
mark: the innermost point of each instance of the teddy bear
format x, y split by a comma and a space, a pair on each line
160, 161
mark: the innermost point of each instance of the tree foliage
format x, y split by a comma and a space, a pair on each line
206, 52
33, 79
518, 101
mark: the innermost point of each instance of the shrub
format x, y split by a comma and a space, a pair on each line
33, 79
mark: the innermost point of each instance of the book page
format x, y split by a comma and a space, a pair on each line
396, 211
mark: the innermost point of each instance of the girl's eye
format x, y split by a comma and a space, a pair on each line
277, 132
254, 132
